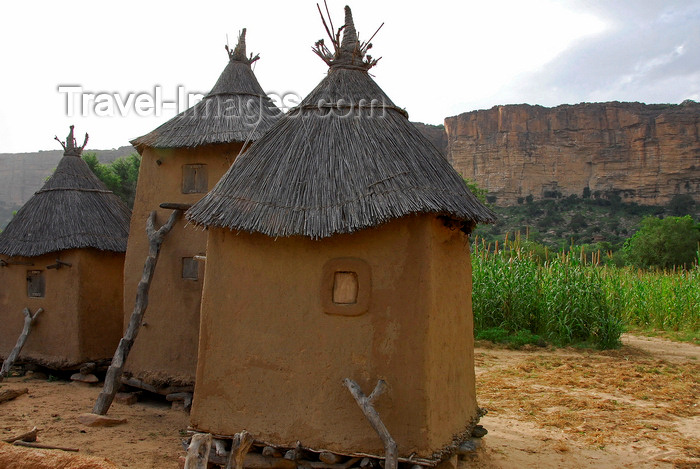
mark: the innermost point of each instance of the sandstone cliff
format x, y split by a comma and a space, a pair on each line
435, 133
643, 153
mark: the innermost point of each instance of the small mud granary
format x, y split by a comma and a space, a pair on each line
64, 252
181, 161
337, 259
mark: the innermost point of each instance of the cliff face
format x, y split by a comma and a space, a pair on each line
435, 133
643, 153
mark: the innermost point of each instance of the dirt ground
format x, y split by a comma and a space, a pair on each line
547, 408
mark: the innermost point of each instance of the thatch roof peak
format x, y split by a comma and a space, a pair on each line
72, 210
348, 53
69, 146
345, 159
235, 110
350, 43
239, 53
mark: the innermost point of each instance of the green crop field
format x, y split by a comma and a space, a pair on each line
522, 294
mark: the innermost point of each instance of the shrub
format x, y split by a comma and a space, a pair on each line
664, 243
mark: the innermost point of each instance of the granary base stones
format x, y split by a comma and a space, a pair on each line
222, 451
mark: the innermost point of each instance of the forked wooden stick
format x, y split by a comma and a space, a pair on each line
116, 368
28, 321
367, 408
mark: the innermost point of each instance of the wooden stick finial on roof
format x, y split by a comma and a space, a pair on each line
348, 53
69, 146
239, 53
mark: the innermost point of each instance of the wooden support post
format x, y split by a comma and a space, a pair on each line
28, 321
114, 373
198, 452
365, 403
239, 447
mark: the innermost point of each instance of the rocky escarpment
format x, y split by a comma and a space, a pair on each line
643, 153
435, 133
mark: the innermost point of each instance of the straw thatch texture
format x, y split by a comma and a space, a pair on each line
235, 110
72, 210
346, 159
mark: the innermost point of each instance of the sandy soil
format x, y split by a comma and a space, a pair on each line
632, 407
567, 408
149, 439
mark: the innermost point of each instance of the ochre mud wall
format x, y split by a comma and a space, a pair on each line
450, 350
166, 349
644, 153
101, 300
82, 307
272, 361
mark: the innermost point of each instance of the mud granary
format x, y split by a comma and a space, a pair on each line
64, 252
338, 249
181, 161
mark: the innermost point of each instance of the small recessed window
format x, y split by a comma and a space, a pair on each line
190, 268
345, 288
194, 178
36, 286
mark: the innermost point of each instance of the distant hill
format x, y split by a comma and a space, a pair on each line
22, 174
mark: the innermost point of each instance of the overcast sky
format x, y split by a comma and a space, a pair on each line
439, 58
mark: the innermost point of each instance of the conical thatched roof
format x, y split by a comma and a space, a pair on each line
345, 159
235, 110
72, 210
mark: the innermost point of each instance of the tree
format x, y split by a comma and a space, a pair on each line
478, 192
577, 223
120, 176
664, 243
681, 204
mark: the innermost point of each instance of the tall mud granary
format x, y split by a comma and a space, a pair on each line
64, 252
181, 161
338, 257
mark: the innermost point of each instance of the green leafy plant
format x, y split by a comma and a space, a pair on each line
664, 243
120, 176
478, 192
